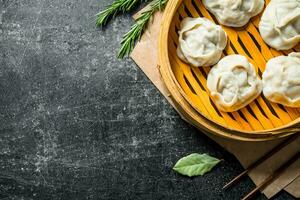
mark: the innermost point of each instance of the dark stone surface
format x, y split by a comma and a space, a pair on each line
76, 123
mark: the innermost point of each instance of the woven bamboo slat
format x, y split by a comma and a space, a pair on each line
260, 120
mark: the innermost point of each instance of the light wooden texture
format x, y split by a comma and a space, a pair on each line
261, 120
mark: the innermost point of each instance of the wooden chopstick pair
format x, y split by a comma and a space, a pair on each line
277, 173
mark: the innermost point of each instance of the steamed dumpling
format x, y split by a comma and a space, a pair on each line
235, 13
233, 83
281, 80
280, 24
201, 42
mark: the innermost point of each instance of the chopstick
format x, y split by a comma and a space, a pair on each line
262, 159
275, 175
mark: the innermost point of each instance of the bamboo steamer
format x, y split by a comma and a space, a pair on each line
259, 121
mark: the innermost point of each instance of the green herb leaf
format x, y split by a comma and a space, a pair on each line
195, 164
118, 6
136, 30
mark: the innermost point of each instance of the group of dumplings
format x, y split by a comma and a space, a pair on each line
233, 82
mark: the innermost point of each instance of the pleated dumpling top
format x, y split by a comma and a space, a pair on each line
280, 24
234, 13
201, 42
281, 80
233, 83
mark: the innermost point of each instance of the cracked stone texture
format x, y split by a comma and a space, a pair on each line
76, 123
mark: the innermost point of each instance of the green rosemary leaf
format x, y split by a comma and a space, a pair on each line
116, 7
136, 30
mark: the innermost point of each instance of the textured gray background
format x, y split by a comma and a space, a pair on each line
76, 123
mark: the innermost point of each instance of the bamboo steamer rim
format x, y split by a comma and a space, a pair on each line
188, 111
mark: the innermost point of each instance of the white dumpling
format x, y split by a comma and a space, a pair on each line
280, 24
281, 80
235, 13
201, 42
233, 83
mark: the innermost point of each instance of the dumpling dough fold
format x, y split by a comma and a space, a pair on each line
233, 83
280, 24
201, 42
281, 80
234, 13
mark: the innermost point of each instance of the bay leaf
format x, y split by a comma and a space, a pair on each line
195, 164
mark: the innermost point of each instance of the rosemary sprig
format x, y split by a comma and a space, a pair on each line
138, 28
116, 7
